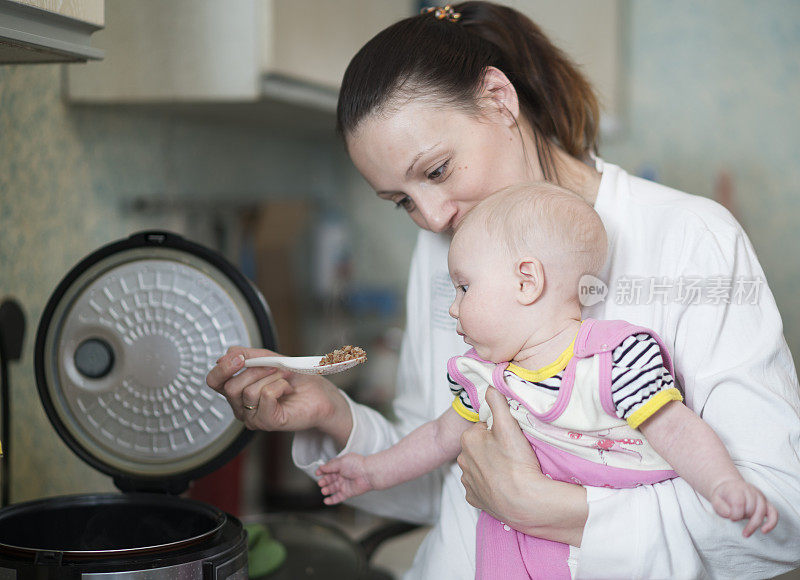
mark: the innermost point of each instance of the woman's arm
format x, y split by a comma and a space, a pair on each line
738, 375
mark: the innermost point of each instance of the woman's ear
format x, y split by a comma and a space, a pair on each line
530, 280
501, 94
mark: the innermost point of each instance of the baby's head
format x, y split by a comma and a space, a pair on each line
524, 246
546, 221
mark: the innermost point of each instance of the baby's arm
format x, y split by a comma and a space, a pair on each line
698, 455
419, 452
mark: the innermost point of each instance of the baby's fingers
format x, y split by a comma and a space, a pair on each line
334, 499
330, 489
764, 515
331, 467
772, 519
738, 506
721, 506
326, 480
756, 517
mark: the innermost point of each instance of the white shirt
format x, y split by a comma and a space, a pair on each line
731, 360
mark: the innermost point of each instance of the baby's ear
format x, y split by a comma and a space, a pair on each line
530, 280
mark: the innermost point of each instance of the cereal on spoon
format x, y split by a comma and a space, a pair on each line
348, 352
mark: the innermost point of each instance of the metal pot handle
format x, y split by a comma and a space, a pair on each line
233, 569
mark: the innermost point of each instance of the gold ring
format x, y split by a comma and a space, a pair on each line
250, 407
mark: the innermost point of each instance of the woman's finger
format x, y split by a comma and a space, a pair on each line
476, 445
251, 392
504, 426
507, 429
233, 387
268, 416
244, 407
249, 352
489, 457
501, 413
227, 366
232, 362
473, 441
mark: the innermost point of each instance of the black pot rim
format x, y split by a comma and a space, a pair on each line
217, 519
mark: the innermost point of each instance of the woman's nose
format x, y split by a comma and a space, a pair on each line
438, 213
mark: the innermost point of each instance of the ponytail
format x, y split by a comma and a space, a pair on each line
445, 60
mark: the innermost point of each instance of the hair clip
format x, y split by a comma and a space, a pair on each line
440, 13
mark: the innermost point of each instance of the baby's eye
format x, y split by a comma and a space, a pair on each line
462, 288
438, 173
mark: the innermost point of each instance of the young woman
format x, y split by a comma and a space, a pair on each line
436, 111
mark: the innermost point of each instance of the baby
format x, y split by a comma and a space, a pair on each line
596, 399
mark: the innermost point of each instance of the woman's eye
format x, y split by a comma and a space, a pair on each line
462, 288
404, 203
439, 172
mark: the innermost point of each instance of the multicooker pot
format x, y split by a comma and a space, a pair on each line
122, 351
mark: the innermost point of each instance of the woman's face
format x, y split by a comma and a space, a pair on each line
437, 163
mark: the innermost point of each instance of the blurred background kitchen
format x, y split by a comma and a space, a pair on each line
216, 120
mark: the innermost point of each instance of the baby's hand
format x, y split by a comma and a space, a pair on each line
737, 499
344, 477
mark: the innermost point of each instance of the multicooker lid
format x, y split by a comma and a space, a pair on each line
122, 351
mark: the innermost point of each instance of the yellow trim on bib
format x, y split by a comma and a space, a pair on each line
649, 409
468, 414
545, 372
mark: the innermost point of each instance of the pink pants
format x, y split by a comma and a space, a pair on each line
506, 554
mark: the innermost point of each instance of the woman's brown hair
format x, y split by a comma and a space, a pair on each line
445, 60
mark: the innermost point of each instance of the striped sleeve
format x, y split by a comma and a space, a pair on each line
461, 402
640, 383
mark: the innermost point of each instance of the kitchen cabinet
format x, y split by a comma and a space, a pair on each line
229, 50
282, 60
43, 31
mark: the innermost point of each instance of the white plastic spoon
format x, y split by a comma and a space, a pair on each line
307, 365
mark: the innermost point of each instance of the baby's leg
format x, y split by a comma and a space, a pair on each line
544, 559
502, 553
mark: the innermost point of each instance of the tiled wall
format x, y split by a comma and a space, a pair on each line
67, 179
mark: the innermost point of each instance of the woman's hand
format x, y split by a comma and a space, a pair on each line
502, 477
271, 400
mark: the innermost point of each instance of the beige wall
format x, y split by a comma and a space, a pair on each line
67, 178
